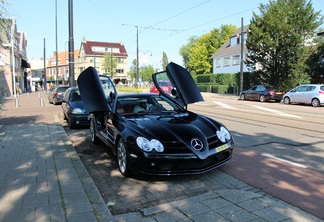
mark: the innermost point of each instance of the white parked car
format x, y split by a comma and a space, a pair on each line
307, 94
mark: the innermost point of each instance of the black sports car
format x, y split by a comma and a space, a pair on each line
153, 133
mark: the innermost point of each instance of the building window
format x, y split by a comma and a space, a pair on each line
119, 70
236, 60
217, 63
227, 61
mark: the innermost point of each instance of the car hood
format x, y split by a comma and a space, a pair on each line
182, 127
183, 84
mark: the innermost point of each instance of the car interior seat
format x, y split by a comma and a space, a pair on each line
75, 96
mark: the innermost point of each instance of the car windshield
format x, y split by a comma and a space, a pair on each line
145, 104
62, 89
75, 95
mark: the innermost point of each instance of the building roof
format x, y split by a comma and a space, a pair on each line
226, 49
89, 48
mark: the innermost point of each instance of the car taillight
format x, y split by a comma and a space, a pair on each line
321, 92
272, 92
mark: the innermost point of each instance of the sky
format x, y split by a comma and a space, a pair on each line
163, 26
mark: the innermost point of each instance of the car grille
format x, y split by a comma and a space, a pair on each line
176, 147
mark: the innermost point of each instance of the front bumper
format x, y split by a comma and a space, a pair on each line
179, 164
80, 120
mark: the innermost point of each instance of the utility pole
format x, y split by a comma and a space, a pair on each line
45, 80
56, 54
241, 62
71, 44
137, 57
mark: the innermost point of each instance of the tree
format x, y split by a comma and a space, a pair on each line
315, 62
146, 72
276, 42
109, 64
165, 61
4, 14
198, 52
185, 51
132, 69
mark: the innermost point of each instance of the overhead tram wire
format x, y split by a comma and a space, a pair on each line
197, 26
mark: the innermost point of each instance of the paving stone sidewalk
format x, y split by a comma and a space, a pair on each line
43, 179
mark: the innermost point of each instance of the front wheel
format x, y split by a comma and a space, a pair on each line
122, 158
93, 131
286, 100
316, 103
242, 96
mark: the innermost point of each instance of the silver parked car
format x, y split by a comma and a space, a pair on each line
306, 94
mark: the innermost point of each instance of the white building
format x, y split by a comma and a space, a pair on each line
227, 58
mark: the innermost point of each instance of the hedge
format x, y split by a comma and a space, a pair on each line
224, 83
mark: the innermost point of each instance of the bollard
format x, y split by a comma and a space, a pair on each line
17, 102
41, 101
27, 94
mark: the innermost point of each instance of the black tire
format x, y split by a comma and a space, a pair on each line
262, 98
93, 131
122, 158
286, 100
71, 125
242, 96
316, 102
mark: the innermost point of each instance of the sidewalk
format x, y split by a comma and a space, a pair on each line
43, 179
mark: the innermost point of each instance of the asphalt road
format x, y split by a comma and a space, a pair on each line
279, 149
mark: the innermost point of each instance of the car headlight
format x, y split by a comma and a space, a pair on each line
76, 111
223, 134
148, 146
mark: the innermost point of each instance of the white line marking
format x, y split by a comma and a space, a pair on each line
286, 161
276, 111
224, 105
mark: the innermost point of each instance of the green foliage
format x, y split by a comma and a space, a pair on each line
4, 22
185, 51
110, 64
165, 61
145, 72
132, 69
197, 53
315, 62
276, 42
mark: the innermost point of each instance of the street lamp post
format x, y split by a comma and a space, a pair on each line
137, 65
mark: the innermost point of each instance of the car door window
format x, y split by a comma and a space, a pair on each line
260, 88
302, 89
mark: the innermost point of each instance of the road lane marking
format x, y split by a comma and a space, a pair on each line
283, 160
224, 105
276, 112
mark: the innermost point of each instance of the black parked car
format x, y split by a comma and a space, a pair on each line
55, 95
262, 93
155, 134
73, 109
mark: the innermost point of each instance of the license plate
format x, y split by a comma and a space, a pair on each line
221, 148
278, 92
